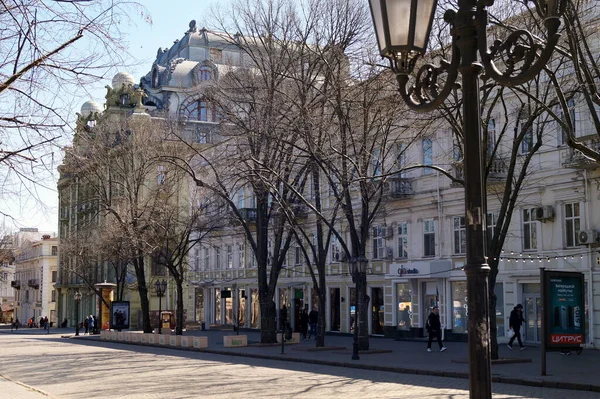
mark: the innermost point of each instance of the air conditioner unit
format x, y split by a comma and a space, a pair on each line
543, 213
587, 237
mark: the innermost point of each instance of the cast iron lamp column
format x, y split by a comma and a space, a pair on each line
161, 288
402, 29
359, 267
77, 298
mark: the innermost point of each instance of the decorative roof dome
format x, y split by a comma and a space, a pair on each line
122, 78
89, 107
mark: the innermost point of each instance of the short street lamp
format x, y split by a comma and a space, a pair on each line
77, 298
402, 28
359, 268
161, 288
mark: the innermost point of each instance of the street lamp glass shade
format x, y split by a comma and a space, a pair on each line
402, 26
362, 264
77, 296
161, 287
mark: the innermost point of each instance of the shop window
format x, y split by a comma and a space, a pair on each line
255, 311
460, 311
404, 306
217, 305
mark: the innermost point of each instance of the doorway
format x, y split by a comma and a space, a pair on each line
533, 308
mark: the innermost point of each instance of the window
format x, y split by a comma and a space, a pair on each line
460, 311
527, 142
427, 155
161, 174
54, 250
206, 258
229, 250
403, 299
54, 276
205, 73
158, 266
197, 259
241, 255
460, 235
492, 225
499, 291
53, 296
376, 163
378, 249
491, 136
572, 223
403, 240
335, 249
429, 237
217, 258
298, 255
241, 196
457, 150
529, 230
199, 110
401, 159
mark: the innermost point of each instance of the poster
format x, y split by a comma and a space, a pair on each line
565, 319
119, 315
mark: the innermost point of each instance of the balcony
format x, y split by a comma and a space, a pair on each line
574, 159
498, 172
16, 284
33, 283
399, 187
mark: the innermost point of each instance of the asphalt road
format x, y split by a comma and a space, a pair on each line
42, 366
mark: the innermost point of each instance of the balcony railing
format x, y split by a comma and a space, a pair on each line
498, 171
400, 187
248, 214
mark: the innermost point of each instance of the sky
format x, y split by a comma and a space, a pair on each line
169, 21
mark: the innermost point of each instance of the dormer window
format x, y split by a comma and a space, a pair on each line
124, 99
205, 74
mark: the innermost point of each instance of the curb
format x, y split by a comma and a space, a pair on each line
400, 370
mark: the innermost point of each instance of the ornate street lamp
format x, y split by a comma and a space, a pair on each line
161, 288
77, 298
402, 28
359, 269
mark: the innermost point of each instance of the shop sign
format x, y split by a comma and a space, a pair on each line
402, 271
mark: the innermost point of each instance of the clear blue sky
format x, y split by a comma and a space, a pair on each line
170, 20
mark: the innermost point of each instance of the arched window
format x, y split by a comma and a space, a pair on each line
199, 110
206, 73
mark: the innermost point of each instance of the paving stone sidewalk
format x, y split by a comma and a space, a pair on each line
578, 372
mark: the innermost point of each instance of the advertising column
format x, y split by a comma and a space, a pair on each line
563, 298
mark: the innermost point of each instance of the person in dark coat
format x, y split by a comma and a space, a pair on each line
434, 328
514, 323
283, 317
313, 320
304, 323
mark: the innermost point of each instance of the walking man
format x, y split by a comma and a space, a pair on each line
434, 328
514, 322
313, 319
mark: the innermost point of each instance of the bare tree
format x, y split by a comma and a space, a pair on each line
48, 51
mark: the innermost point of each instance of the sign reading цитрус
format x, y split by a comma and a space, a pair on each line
565, 320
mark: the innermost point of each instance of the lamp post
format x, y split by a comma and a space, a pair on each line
77, 298
161, 288
359, 267
402, 29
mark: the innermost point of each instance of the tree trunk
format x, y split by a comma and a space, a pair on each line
321, 323
179, 310
138, 264
268, 330
492, 311
363, 316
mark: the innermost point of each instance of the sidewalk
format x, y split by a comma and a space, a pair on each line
578, 372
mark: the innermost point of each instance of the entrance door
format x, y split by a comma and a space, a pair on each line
377, 311
533, 317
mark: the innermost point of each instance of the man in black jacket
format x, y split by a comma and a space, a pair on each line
434, 328
514, 323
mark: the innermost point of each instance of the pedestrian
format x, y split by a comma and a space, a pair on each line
12, 324
85, 326
17, 323
91, 324
46, 323
283, 317
304, 323
514, 323
42, 325
313, 319
96, 326
434, 328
